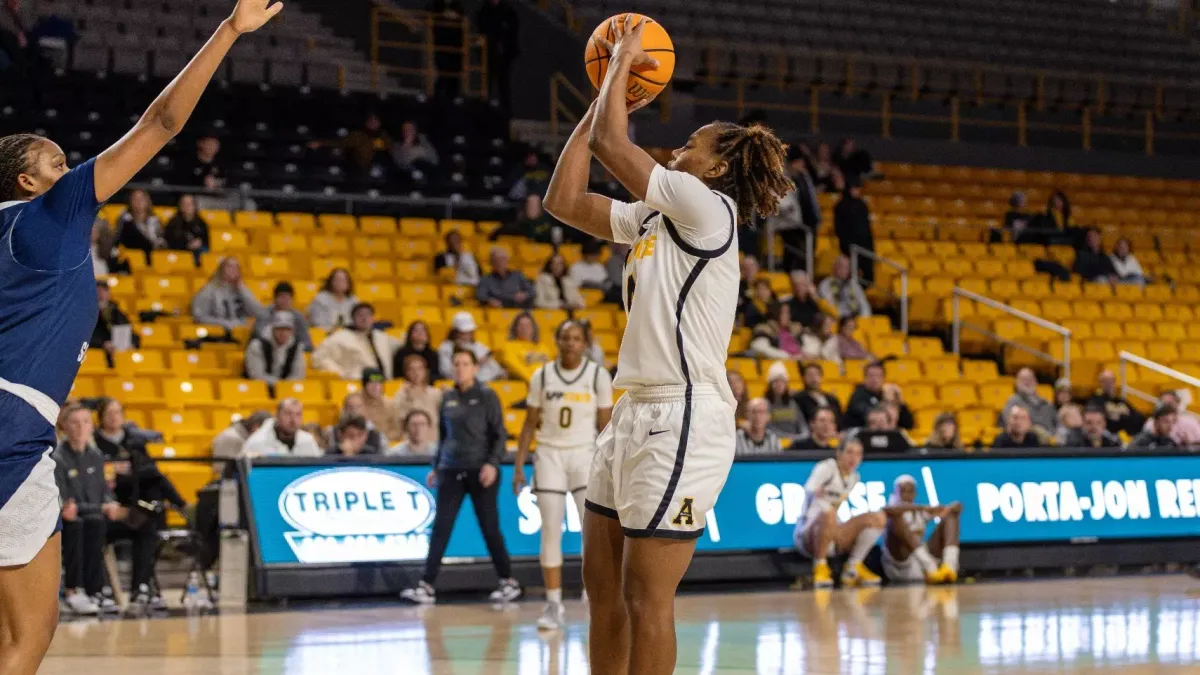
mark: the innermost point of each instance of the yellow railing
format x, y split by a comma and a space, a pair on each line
562, 92
404, 46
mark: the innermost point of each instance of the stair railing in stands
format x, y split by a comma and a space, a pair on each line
957, 324
560, 108
403, 45
857, 251
1126, 358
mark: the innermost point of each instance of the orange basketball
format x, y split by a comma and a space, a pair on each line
643, 81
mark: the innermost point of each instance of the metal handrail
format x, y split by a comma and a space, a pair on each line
856, 251
1126, 357
957, 324
558, 107
809, 248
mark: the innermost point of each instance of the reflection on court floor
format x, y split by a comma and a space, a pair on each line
1129, 625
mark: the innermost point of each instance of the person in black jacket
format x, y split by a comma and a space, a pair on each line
812, 399
1019, 432
417, 342
1121, 415
869, 394
109, 317
1091, 262
1158, 437
852, 225
186, 230
88, 506
467, 462
1094, 433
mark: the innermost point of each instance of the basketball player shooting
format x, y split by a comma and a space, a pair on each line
47, 313
664, 457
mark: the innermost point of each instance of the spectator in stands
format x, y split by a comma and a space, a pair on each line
749, 270
812, 399
945, 434
110, 319
1093, 433
204, 170
498, 22
1159, 436
186, 230
1058, 214
804, 303
282, 435
852, 226
468, 463
382, 412
1121, 415
881, 434
420, 438
462, 263
278, 357
532, 222
843, 293
555, 289
532, 177
418, 393
822, 169
590, 272
847, 346
417, 342
871, 392
821, 341
737, 385
366, 147
1091, 262
225, 301
1126, 265
1018, 431
777, 337
332, 306
228, 444
351, 433
755, 437
353, 349
1062, 393
1186, 431
1070, 422
138, 228
414, 150
524, 343
799, 212
503, 286
88, 505
787, 420
1040, 412
462, 336
853, 162
759, 305
137, 484
104, 250
284, 303
823, 432
355, 405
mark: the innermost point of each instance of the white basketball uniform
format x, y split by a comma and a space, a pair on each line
825, 487
665, 456
566, 440
908, 569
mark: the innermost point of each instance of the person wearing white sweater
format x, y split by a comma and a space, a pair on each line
357, 347
1129, 270
332, 307
282, 436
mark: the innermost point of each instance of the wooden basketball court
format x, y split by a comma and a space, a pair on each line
1130, 625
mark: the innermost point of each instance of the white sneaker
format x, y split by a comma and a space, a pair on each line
507, 591
422, 594
553, 617
80, 604
106, 604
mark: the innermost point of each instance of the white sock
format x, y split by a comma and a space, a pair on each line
950, 557
862, 546
925, 558
820, 561
554, 596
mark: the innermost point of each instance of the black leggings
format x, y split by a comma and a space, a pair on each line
452, 487
83, 552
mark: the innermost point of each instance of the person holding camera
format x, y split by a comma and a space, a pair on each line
467, 462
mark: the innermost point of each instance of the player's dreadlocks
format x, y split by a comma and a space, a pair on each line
14, 160
757, 178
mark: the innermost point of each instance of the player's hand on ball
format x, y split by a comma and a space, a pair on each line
627, 39
250, 15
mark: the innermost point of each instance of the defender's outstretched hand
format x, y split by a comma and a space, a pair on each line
250, 15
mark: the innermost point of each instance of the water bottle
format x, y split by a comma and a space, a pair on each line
191, 599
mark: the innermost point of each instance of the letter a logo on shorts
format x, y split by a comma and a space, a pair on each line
684, 517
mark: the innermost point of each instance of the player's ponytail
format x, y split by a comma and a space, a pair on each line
757, 178
14, 161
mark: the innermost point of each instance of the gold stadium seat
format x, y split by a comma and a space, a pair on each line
323, 267
958, 396
419, 294
372, 269
920, 396
372, 247
514, 420
1118, 311
196, 363
377, 225
418, 227
1020, 269
1136, 330
269, 266
996, 393
308, 392
155, 336
925, 347
243, 393
1171, 330
510, 392
283, 243
1130, 293
1107, 330
1087, 309
454, 294
884, 345
140, 363
1162, 351
1178, 312
414, 249
86, 386
250, 220
172, 422
337, 223
941, 369
430, 314
1005, 289
132, 390
172, 262
216, 217
1098, 350
185, 392
601, 318
375, 291
1056, 310
979, 371
464, 227
1081, 329
155, 287
1187, 294
1148, 311
340, 389
414, 270
1159, 293
548, 319
327, 245
95, 362
296, 222
903, 371
227, 242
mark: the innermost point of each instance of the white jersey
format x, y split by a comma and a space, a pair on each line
680, 283
569, 400
825, 487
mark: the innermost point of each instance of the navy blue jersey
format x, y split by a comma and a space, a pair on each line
47, 307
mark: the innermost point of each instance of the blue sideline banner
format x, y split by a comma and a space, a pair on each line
329, 514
